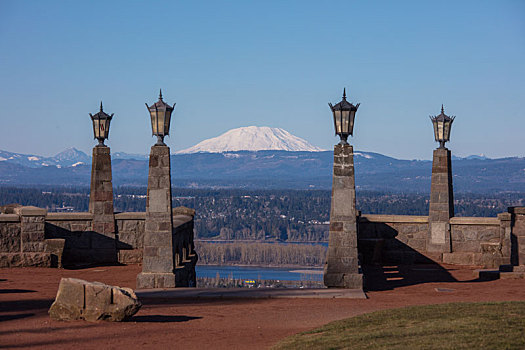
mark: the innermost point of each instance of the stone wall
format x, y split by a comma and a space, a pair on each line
386, 239
28, 240
130, 233
22, 238
478, 241
82, 244
400, 239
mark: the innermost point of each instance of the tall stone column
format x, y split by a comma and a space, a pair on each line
441, 202
158, 266
101, 206
341, 269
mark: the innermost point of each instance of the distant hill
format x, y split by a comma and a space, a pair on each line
274, 170
69, 157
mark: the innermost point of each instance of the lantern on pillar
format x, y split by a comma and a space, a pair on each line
442, 125
344, 116
101, 122
160, 113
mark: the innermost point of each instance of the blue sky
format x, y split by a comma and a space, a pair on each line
268, 63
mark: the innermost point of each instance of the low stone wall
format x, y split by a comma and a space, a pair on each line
396, 239
82, 245
130, 233
478, 241
22, 238
130, 242
400, 239
31, 237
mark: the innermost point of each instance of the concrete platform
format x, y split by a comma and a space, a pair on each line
252, 293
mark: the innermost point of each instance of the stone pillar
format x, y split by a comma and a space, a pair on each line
341, 269
518, 233
158, 265
505, 237
441, 202
32, 237
101, 206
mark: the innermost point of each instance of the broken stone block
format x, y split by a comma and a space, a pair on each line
93, 301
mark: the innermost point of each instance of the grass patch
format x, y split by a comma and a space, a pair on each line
447, 326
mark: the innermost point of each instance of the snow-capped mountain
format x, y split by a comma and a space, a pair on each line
253, 138
71, 157
66, 158
124, 155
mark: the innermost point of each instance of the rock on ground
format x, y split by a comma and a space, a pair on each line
93, 301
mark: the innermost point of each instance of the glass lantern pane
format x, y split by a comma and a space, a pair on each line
105, 128
96, 128
161, 119
346, 122
436, 136
352, 118
153, 115
440, 131
446, 131
167, 122
337, 119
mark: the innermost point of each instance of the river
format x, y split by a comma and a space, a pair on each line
260, 273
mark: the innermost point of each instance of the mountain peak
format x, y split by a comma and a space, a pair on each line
70, 156
253, 138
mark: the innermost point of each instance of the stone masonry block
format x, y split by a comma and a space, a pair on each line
340, 280
336, 226
151, 251
154, 264
9, 238
133, 256
466, 246
33, 247
157, 239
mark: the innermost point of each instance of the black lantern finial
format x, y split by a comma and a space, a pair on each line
101, 122
160, 114
442, 125
344, 116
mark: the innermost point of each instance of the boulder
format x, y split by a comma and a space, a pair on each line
93, 301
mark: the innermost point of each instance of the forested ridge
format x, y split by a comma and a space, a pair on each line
275, 215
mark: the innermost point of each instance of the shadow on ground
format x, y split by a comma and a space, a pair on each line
163, 318
15, 291
14, 317
380, 278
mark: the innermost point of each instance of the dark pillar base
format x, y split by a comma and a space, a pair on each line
518, 231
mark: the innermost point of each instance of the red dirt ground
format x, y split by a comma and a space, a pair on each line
27, 293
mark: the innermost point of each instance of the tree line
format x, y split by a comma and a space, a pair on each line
255, 253
261, 215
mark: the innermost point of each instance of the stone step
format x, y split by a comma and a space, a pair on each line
487, 275
512, 275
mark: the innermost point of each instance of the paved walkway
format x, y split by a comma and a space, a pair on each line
193, 322
251, 293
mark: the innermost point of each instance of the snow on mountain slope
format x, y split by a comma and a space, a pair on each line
253, 138
71, 156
